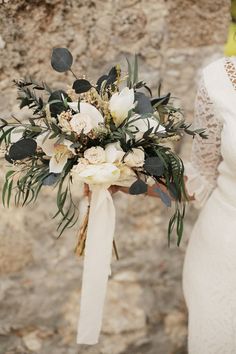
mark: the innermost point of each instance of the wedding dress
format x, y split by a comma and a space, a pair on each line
209, 274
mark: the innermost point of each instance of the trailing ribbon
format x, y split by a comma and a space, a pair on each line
97, 261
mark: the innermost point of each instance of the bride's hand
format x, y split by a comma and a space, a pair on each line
150, 191
113, 189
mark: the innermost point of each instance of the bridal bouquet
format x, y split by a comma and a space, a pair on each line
109, 132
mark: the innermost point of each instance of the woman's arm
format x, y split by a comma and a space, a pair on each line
151, 190
202, 170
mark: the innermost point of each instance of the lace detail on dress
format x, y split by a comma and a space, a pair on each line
230, 70
202, 169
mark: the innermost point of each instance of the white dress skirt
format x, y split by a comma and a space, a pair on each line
209, 274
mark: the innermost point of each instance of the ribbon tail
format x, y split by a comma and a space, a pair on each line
97, 261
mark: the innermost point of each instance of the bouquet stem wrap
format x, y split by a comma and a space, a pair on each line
97, 261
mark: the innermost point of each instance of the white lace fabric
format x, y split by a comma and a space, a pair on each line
201, 170
209, 282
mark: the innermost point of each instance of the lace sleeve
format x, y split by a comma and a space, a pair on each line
202, 170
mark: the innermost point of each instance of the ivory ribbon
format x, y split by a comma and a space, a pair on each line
97, 260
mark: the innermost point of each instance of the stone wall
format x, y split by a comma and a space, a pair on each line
40, 275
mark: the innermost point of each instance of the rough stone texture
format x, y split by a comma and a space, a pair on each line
199, 22
40, 276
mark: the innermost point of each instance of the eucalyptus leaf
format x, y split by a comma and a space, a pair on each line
22, 149
164, 197
143, 103
51, 179
56, 102
61, 59
154, 166
81, 85
138, 187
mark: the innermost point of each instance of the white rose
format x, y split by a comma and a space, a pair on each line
120, 104
81, 122
88, 117
114, 152
127, 176
82, 163
105, 173
135, 158
95, 155
143, 124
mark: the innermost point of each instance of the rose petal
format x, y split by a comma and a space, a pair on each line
114, 152
92, 112
105, 173
120, 104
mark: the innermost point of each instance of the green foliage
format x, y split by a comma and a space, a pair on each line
5, 136
132, 79
58, 102
154, 166
30, 167
28, 96
138, 187
61, 59
22, 149
28, 185
81, 86
65, 205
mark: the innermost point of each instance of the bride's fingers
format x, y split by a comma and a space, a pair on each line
114, 189
87, 192
124, 189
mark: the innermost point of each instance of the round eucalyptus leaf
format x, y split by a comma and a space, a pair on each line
61, 59
165, 198
154, 166
138, 187
22, 149
58, 95
81, 85
56, 104
100, 81
143, 104
51, 179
